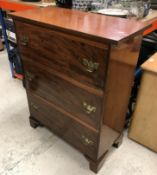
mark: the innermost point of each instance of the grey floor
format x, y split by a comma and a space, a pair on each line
27, 151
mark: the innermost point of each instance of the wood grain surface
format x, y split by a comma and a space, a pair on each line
123, 60
84, 106
104, 28
151, 64
63, 53
63, 126
63, 94
143, 128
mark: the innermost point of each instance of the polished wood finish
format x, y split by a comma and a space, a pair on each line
64, 126
79, 70
63, 94
143, 128
67, 55
122, 63
105, 28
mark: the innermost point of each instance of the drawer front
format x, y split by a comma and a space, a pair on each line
70, 56
78, 102
76, 134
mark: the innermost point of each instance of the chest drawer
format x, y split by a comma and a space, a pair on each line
77, 58
78, 102
73, 132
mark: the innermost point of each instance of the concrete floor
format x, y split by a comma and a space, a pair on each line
27, 151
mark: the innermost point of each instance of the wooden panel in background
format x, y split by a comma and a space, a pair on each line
144, 124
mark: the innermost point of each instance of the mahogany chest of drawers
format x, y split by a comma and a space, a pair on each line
79, 70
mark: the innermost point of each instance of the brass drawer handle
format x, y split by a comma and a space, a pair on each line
24, 40
87, 141
90, 65
88, 108
29, 76
34, 106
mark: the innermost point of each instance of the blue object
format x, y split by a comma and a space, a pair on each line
6, 40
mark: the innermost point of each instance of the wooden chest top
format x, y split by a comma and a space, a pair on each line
100, 27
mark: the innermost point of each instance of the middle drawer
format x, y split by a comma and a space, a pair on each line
78, 102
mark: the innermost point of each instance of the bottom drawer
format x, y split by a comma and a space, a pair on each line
76, 134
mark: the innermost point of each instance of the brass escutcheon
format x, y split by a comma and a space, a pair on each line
24, 40
87, 141
90, 65
88, 108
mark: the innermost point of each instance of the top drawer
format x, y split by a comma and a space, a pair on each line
77, 58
